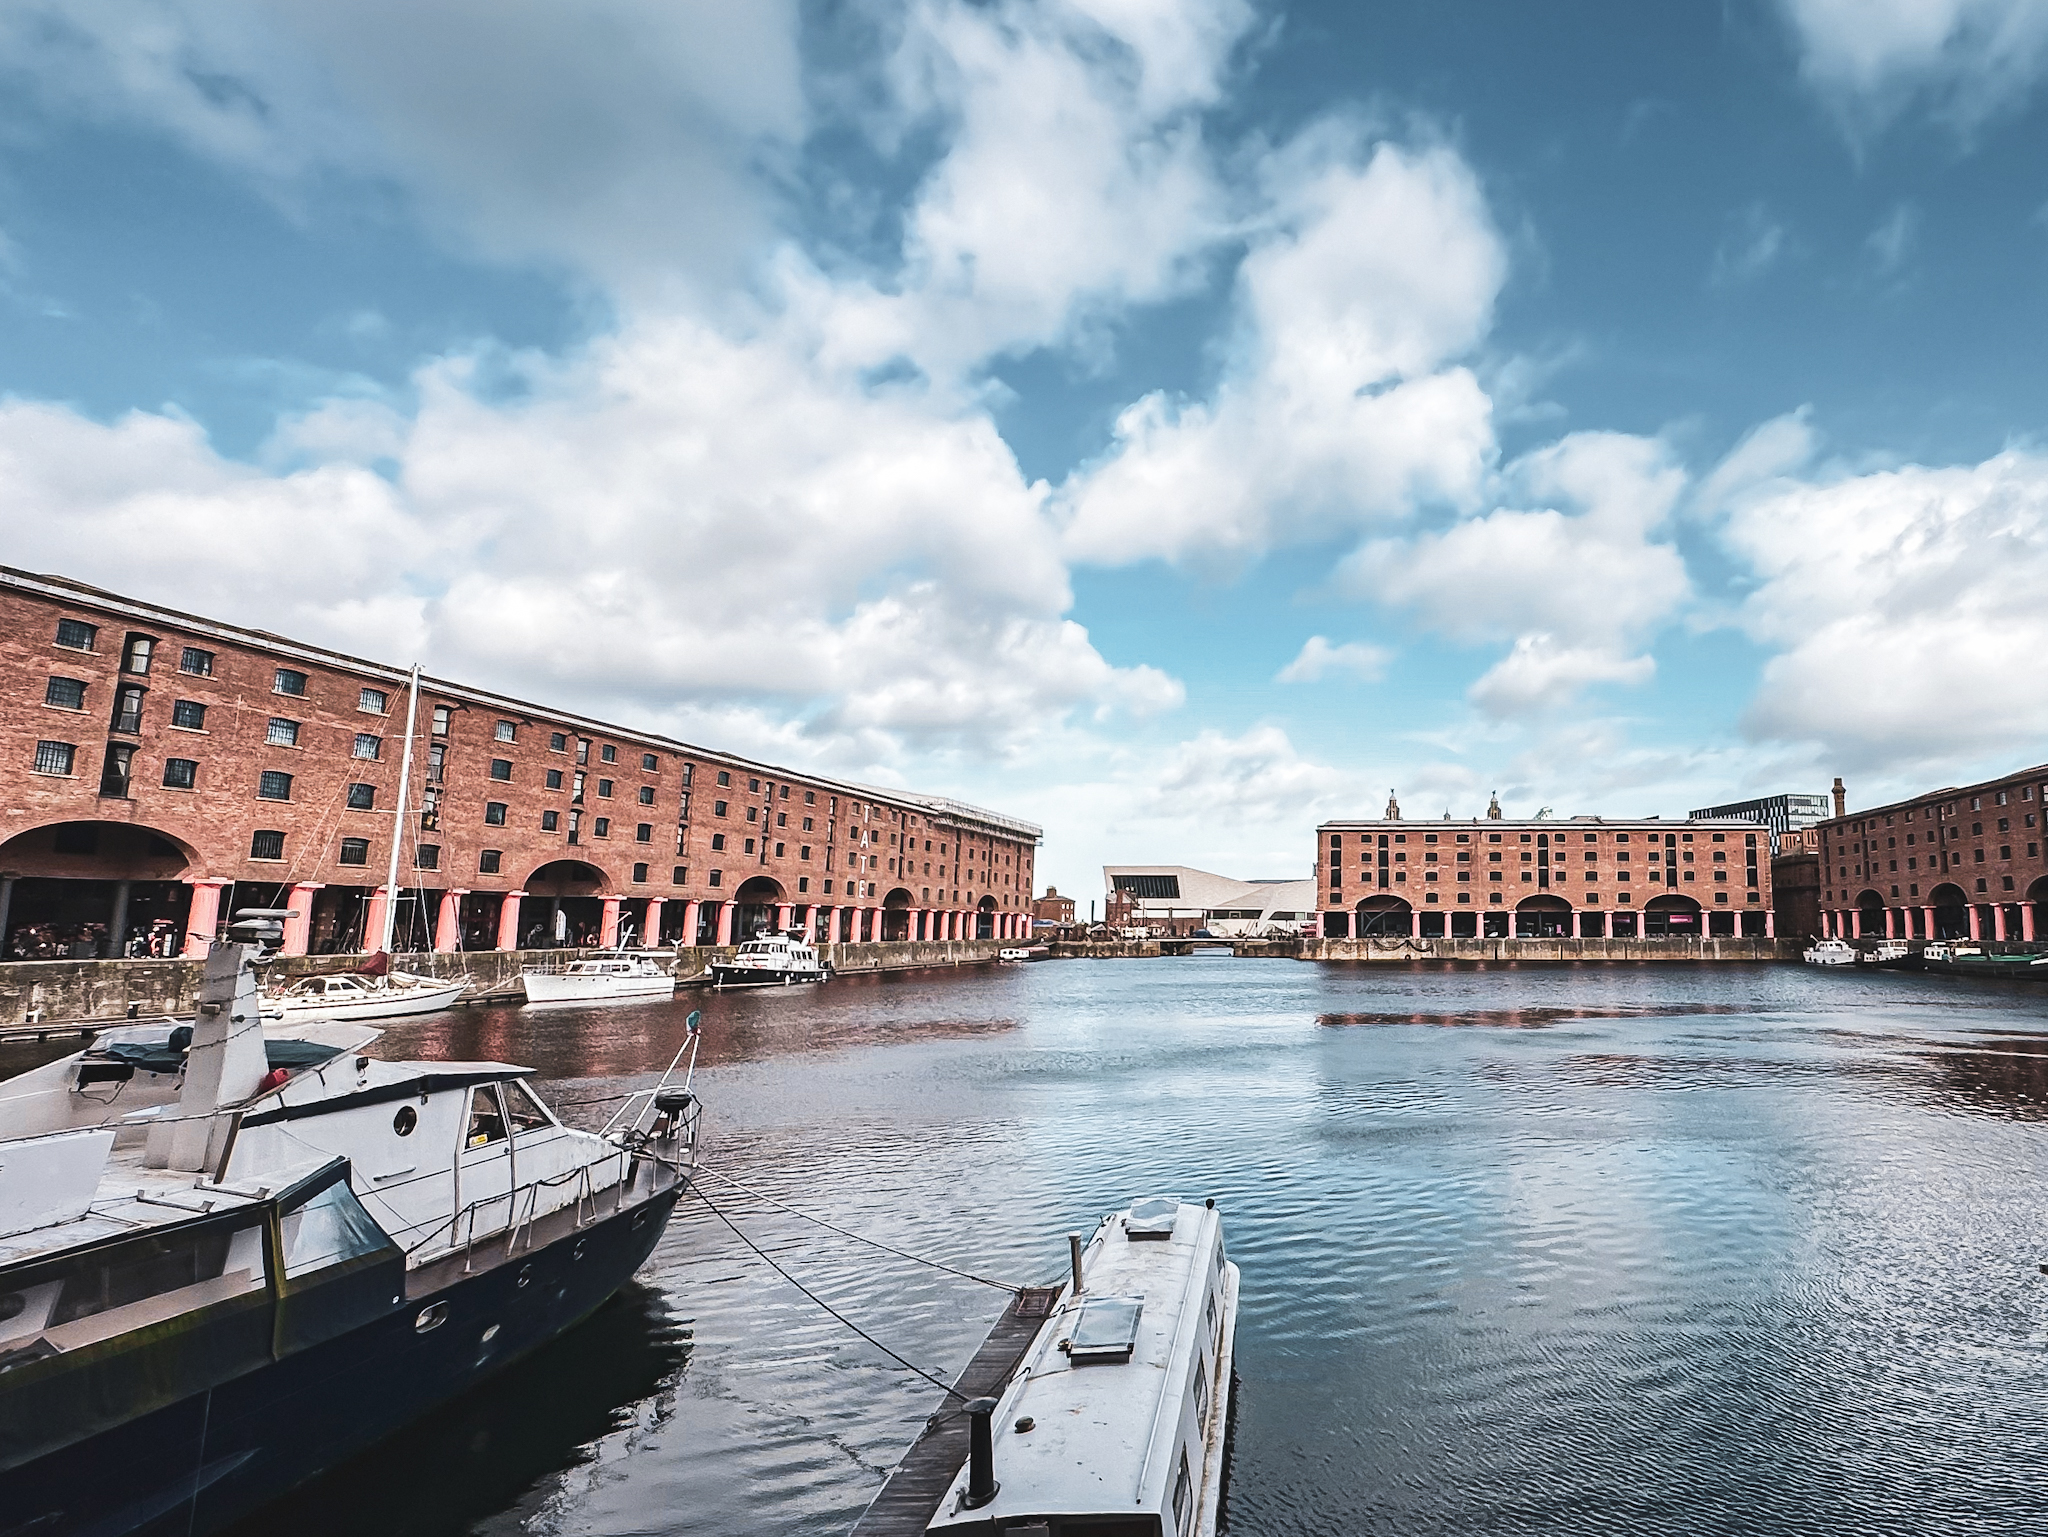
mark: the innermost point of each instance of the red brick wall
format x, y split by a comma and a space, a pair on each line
896, 844
1986, 839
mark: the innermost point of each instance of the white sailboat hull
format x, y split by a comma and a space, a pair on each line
558, 987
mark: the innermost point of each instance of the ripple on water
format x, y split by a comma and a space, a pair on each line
1651, 1250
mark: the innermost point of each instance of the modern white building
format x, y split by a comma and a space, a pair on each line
1179, 899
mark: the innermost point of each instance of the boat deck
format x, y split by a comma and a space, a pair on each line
905, 1503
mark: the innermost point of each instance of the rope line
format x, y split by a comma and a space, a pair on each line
759, 1195
945, 1387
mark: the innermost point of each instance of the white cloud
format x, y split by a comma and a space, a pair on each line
1377, 267
1751, 247
631, 140
1968, 59
1319, 659
1577, 591
1905, 609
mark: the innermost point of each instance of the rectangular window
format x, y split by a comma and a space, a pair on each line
724, 780
180, 773
114, 772
488, 861
718, 808
65, 693
289, 682
355, 851
273, 786
650, 763
717, 877
76, 634
368, 746
281, 732
718, 843
682, 874
644, 833
640, 874
582, 749
362, 797
804, 852
550, 821
266, 844
604, 789
501, 769
647, 795
427, 857
810, 797
196, 662
505, 731
753, 812
188, 715
603, 828
135, 656
554, 779
778, 850
443, 714
494, 813
610, 754
128, 709
372, 701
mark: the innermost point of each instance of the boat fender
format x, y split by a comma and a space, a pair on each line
981, 1455
274, 1079
1025, 1423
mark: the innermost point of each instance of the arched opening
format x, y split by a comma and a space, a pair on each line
1870, 914
1951, 911
563, 905
1543, 918
985, 919
896, 915
757, 902
1672, 917
93, 890
1383, 918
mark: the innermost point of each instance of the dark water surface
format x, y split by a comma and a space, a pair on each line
1564, 1249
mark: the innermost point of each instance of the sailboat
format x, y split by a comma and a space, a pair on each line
373, 990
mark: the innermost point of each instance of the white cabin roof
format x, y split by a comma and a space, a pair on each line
1104, 1433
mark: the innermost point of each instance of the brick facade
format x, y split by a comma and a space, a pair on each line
1585, 877
169, 758
1955, 863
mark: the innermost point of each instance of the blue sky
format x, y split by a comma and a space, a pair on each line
1173, 422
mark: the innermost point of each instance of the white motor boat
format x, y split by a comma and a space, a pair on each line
224, 1269
1115, 1417
771, 960
1889, 952
1013, 956
348, 995
605, 979
1831, 952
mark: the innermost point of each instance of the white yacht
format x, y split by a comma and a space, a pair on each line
226, 1269
1115, 1418
1830, 952
1889, 952
605, 979
770, 960
350, 995
1013, 955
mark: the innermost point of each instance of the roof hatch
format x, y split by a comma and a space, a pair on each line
1152, 1219
1106, 1330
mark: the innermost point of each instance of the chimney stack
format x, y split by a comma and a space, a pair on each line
1841, 798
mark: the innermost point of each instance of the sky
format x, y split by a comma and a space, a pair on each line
1175, 422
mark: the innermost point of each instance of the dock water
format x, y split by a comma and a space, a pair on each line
905, 1503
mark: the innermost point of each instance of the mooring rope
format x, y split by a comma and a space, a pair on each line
947, 1388
920, 1259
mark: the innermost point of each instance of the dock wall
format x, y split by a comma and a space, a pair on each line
1405, 950
63, 991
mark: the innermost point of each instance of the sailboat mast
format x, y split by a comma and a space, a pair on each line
412, 708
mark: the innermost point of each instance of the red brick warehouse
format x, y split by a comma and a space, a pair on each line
161, 769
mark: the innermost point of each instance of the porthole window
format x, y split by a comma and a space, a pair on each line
406, 1119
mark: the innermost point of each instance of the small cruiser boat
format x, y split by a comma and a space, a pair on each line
1831, 952
606, 979
770, 960
1114, 1420
351, 995
1013, 955
1889, 952
210, 1296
